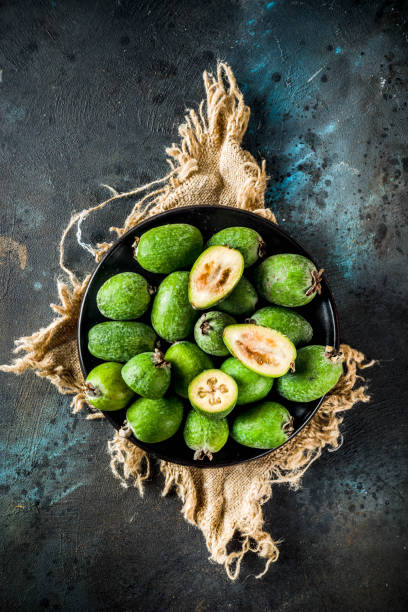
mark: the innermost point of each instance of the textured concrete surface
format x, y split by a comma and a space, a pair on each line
91, 93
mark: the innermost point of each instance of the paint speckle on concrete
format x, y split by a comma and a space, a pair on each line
37, 286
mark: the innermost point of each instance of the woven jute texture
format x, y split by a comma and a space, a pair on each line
208, 166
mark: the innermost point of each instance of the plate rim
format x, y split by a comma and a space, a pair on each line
286, 235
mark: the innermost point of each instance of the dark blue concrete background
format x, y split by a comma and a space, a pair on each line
91, 93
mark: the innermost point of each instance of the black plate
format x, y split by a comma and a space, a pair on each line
321, 313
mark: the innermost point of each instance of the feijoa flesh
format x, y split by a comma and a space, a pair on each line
124, 296
172, 315
213, 393
264, 425
205, 436
106, 389
120, 340
261, 349
187, 361
148, 374
155, 420
243, 239
168, 248
252, 387
287, 321
214, 275
208, 332
288, 280
317, 370
242, 300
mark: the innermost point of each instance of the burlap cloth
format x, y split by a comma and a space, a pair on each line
208, 166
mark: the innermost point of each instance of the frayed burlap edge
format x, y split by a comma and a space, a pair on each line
209, 166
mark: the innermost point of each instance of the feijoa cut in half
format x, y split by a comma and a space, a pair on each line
285, 320
214, 276
213, 393
106, 389
261, 349
205, 436
317, 369
288, 279
124, 296
264, 425
148, 374
244, 239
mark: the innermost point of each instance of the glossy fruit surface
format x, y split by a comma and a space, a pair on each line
264, 425
168, 248
252, 387
287, 321
105, 388
243, 239
172, 315
187, 361
203, 435
242, 301
120, 340
155, 420
124, 296
148, 374
208, 332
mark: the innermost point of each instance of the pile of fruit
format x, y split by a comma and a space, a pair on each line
221, 352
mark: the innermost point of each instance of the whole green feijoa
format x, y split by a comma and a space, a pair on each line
252, 387
148, 374
242, 300
169, 248
288, 280
243, 239
213, 393
106, 389
205, 436
172, 315
187, 361
124, 296
264, 425
155, 420
120, 340
208, 332
286, 321
317, 370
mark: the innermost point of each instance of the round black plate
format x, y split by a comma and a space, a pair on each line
321, 313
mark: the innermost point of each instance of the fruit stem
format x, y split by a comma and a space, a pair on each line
261, 248
151, 290
92, 391
316, 284
333, 355
201, 453
158, 359
205, 327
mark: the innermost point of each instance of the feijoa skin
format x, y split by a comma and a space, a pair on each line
214, 276
106, 389
173, 317
242, 300
286, 321
155, 420
317, 370
244, 239
124, 296
168, 248
120, 340
252, 387
187, 361
208, 332
288, 280
261, 349
205, 436
265, 425
213, 393
147, 374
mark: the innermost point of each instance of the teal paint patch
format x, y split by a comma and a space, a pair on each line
270, 5
37, 286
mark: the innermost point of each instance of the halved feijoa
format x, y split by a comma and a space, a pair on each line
244, 239
252, 387
288, 279
261, 349
148, 374
285, 320
208, 332
169, 248
106, 389
124, 296
203, 435
264, 425
242, 300
213, 393
155, 420
187, 361
214, 275
172, 315
317, 369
